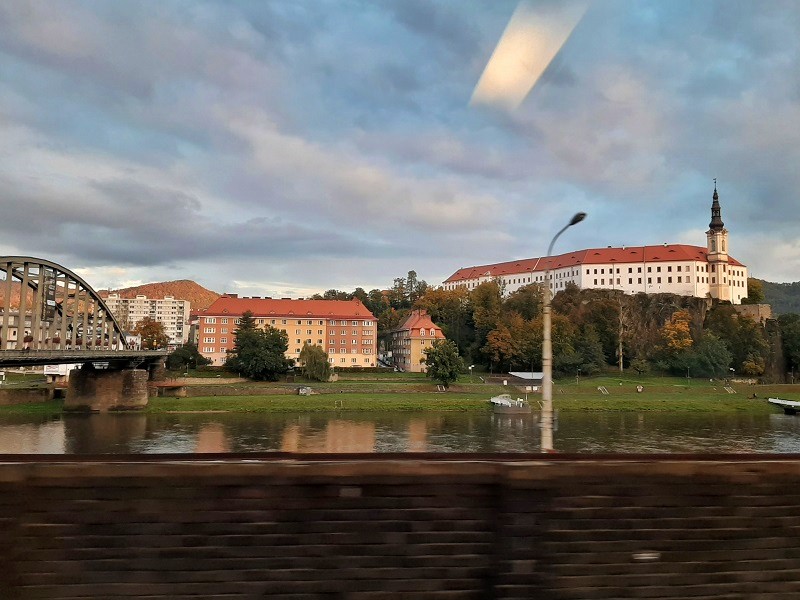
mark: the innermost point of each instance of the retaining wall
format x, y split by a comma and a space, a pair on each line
411, 527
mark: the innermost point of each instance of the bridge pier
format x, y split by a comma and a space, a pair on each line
96, 390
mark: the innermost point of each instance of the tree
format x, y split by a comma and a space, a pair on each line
314, 362
152, 334
755, 292
676, 333
184, 356
710, 357
790, 337
259, 353
443, 362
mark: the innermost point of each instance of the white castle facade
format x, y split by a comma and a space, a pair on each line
668, 268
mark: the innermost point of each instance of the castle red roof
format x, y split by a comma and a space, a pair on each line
626, 254
232, 305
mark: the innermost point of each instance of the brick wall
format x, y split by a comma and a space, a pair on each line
414, 527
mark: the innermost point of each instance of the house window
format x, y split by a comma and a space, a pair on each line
649, 280
224, 321
640, 280
658, 279
669, 269
208, 340
223, 340
211, 320
658, 269
630, 280
639, 270
208, 350
679, 279
630, 269
224, 330
210, 330
422, 332
649, 269
669, 279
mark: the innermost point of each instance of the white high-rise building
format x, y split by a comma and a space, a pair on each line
171, 313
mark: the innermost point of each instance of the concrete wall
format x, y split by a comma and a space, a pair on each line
98, 390
333, 527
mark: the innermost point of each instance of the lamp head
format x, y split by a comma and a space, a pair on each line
577, 218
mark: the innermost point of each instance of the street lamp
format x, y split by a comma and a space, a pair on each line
547, 347
470, 372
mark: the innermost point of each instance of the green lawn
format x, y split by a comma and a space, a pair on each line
414, 392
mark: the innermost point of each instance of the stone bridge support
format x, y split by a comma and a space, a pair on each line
112, 389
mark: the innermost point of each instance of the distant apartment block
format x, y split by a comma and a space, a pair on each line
173, 314
346, 329
411, 338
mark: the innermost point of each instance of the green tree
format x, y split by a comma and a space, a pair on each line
259, 354
314, 362
152, 334
755, 292
709, 358
790, 338
185, 356
443, 362
590, 350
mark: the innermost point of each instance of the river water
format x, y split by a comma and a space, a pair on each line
575, 432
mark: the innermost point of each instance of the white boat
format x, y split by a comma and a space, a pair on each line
790, 407
505, 404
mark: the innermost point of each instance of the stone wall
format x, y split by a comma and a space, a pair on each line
100, 390
411, 527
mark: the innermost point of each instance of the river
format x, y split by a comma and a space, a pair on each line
575, 432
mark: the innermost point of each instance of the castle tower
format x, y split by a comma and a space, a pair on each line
717, 240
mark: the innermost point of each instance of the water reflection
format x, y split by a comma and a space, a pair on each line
398, 432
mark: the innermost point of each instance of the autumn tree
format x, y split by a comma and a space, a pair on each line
152, 334
676, 333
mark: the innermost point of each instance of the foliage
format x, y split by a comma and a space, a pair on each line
185, 356
709, 358
755, 292
152, 334
443, 362
676, 333
314, 362
790, 337
258, 353
784, 298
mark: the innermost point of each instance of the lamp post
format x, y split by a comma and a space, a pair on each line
470, 372
547, 347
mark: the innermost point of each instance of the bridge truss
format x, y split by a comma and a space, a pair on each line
56, 309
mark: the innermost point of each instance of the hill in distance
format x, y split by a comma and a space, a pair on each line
199, 297
783, 298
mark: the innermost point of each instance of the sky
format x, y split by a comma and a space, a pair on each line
287, 147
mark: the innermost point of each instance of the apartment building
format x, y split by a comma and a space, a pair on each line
173, 314
346, 329
410, 339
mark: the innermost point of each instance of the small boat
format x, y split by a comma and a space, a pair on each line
790, 407
506, 405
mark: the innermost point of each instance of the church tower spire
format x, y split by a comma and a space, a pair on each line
717, 252
716, 212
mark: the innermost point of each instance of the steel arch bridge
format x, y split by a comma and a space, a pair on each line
57, 310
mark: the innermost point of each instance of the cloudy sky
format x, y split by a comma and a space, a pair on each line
291, 146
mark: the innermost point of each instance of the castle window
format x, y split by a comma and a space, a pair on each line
658, 279
679, 280
713, 245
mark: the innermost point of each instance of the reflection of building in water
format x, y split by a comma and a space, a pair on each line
338, 436
47, 438
212, 438
417, 435
104, 433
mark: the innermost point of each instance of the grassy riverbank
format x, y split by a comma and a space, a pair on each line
413, 392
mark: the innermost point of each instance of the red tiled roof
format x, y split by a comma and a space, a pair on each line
418, 319
628, 254
266, 307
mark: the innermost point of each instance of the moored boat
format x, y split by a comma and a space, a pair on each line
790, 407
505, 404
